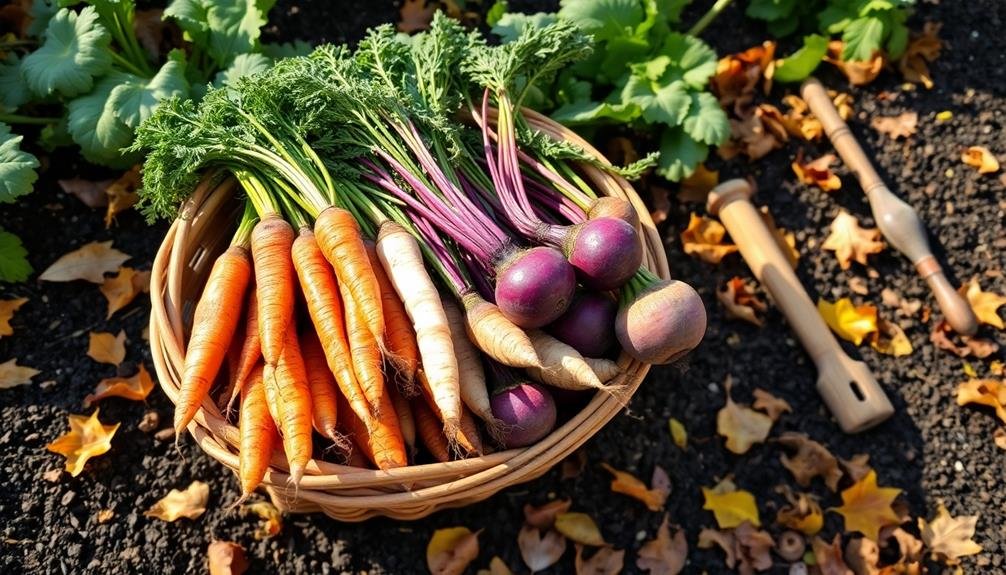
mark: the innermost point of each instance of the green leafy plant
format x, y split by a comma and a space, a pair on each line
85, 70
642, 73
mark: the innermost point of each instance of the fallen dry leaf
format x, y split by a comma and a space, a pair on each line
451, 550
740, 425
543, 517
754, 548
12, 374
87, 438
90, 192
740, 301
950, 538
999, 437
696, 187
415, 15
724, 540
737, 76
136, 387
605, 561
123, 288
784, 239
810, 460
900, 126
579, 528
653, 497
749, 136
980, 157
226, 558
909, 547
817, 172
867, 508
90, 262
890, 339
828, 556
857, 466
773, 406
802, 513
851, 242
985, 304
704, 238
679, 435
122, 194
104, 347
7, 309
190, 503
944, 337
859, 73
664, 554
850, 322
659, 198
798, 120
272, 519
539, 551
921, 50
496, 567
730, 505
987, 392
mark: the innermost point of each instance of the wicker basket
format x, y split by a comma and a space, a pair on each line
348, 493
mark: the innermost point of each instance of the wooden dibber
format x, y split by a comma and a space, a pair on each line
847, 386
897, 220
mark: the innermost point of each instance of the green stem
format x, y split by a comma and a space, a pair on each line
128, 65
709, 16
242, 237
21, 119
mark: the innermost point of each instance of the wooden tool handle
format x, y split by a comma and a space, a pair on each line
898, 222
847, 386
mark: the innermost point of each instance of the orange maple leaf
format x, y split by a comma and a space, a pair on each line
87, 438
137, 387
817, 172
7, 309
851, 242
867, 508
704, 238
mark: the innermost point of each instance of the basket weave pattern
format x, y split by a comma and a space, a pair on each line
347, 493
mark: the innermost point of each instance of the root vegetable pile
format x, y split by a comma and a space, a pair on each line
421, 271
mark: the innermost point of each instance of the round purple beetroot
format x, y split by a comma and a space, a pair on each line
527, 411
535, 286
606, 252
588, 326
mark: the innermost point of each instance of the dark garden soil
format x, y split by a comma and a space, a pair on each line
932, 449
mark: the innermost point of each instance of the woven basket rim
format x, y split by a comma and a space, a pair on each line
351, 493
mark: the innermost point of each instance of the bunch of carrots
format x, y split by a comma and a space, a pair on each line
413, 265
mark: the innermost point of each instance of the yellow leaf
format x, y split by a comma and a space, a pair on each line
704, 238
741, 425
950, 538
867, 508
226, 558
817, 172
7, 309
851, 242
628, 484
983, 303
740, 302
121, 289
451, 550
272, 519
190, 503
802, 514
137, 387
679, 435
539, 551
730, 505
859, 73
12, 374
664, 554
849, 322
91, 262
980, 157
107, 348
579, 528
984, 392
944, 116
87, 438
122, 194
890, 339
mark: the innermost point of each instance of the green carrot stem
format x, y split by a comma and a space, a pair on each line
22, 119
708, 17
242, 237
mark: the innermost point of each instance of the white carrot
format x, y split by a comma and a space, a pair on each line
497, 336
605, 369
474, 390
561, 365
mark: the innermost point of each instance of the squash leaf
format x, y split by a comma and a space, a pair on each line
17, 167
225, 27
134, 102
14, 266
74, 52
95, 126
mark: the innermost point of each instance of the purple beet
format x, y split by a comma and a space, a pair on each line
528, 412
605, 251
588, 326
535, 286
613, 207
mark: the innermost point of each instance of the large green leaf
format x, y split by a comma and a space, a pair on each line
862, 38
13, 86
41, 12
706, 122
95, 126
511, 25
770, 9
661, 104
74, 52
605, 19
225, 28
17, 167
243, 65
679, 154
14, 266
134, 102
800, 64
587, 112
690, 59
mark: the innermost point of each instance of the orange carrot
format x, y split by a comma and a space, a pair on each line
271, 241
382, 444
213, 325
429, 430
406, 421
250, 351
292, 403
233, 357
341, 241
466, 440
257, 431
403, 351
317, 281
322, 385
365, 354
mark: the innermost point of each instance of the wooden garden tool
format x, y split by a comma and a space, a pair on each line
847, 386
898, 222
